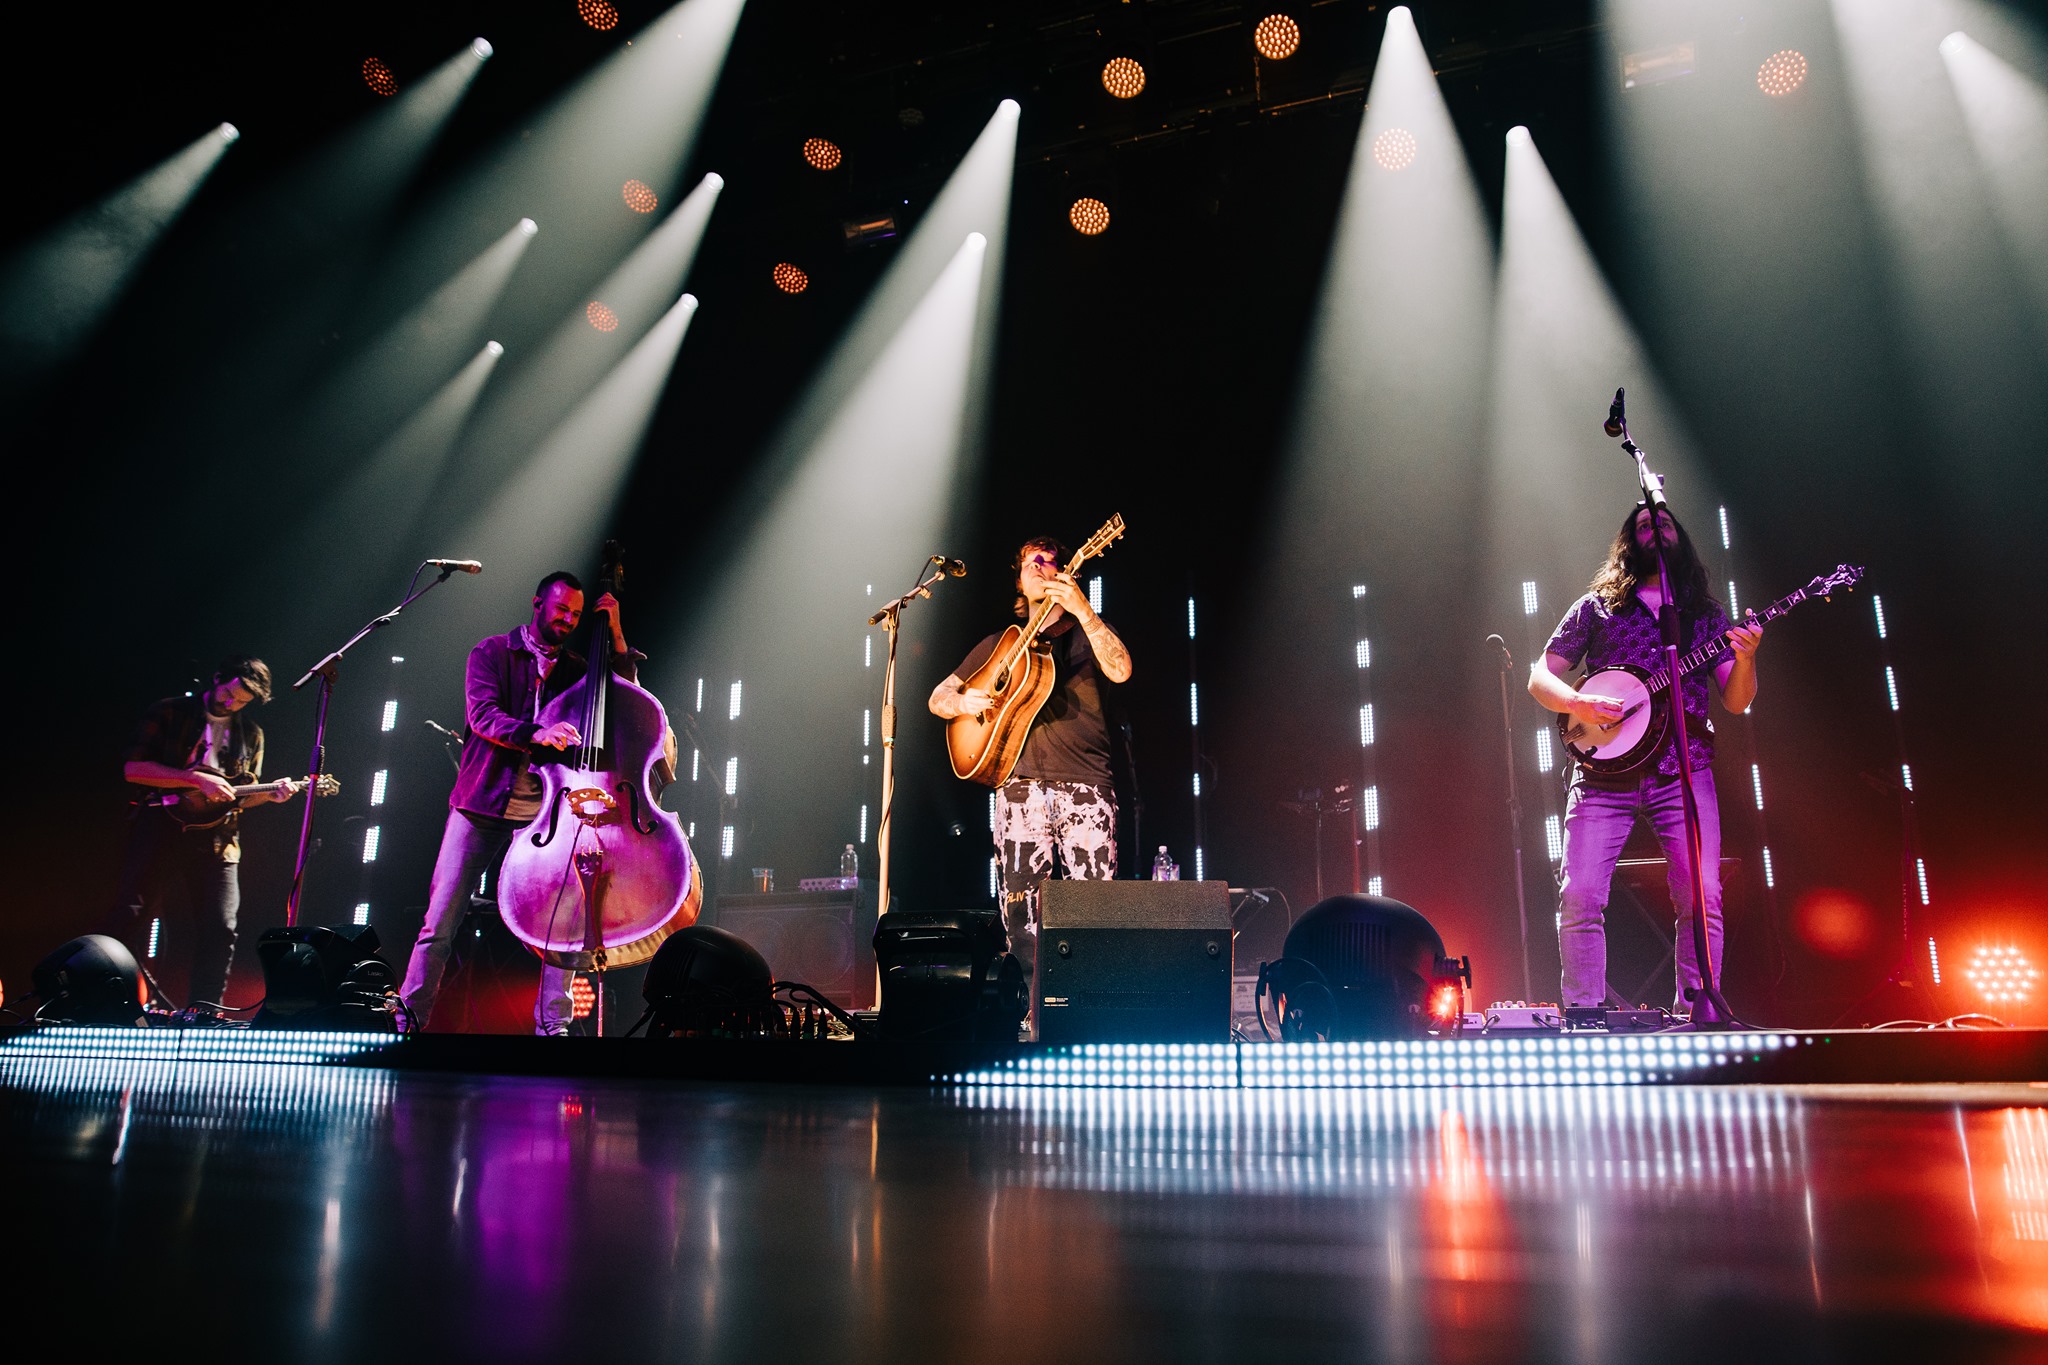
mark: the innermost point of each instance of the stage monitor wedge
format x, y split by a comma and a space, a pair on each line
1134, 962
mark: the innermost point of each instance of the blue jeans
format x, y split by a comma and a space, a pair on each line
468, 847
1596, 824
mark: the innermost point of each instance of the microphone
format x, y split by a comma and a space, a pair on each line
956, 568
456, 565
1507, 659
443, 731
1612, 426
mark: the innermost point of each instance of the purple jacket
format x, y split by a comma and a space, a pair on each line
499, 708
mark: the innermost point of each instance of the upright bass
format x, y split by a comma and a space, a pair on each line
602, 874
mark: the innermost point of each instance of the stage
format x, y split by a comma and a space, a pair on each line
327, 1196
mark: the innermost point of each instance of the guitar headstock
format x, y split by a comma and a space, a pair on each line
328, 785
1110, 532
1844, 577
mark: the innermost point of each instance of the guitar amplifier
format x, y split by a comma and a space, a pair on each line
821, 938
1133, 962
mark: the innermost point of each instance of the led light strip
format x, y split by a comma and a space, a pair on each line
1642, 1059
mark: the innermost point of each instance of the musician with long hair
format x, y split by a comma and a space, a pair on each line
1616, 623
1058, 810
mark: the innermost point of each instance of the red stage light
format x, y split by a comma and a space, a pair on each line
1277, 36
1782, 72
2002, 975
599, 14
1395, 149
601, 317
1444, 1004
584, 995
820, 153
640, 196
1090, 217
1123, 78
789, 279
378, 76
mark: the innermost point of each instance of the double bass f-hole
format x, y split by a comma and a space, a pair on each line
632, 795
554, 818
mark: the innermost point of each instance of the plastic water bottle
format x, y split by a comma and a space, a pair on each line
849, 866
1164, 868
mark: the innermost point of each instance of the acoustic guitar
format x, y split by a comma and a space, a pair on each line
1626, 743
1018, 677
193, 808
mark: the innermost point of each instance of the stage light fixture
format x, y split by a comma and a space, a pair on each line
1782, 73
1395, 149
1276, 37
820, 153
601, 317
601, 15
789, 279
1123, 78
640, 196
1090, 217
528, 226
229, 132
90, 980
494, 348
2002, 975
482, 49
378, 76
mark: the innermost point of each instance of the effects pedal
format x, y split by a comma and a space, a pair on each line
1519, 1016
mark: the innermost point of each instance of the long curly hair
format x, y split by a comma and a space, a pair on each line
1054, 545
1629, 564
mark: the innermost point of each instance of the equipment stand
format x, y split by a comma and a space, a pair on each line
326, 670
891, 616
1709, 1009
1507, 729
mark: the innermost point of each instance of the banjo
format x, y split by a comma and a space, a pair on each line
1626, 743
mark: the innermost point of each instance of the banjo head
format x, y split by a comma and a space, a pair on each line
1597, 744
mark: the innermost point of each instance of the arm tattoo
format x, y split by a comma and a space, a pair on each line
1109, 650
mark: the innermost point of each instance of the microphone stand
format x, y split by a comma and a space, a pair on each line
891, 616
1709, 1009
326, 671
1507, 730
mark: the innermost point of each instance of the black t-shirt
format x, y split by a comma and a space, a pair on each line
1069, 738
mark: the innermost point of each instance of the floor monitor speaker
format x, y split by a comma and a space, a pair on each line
821, 938
1134, 962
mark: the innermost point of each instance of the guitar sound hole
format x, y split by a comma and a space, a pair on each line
1002, 681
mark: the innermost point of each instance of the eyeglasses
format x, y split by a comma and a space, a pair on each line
1042, 561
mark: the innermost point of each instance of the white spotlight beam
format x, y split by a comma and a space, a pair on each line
55, 292
1974, 351
558, 507
396, 371
967, 221
576, 356
2006, 115
1387, 420
1561, 345
636, 116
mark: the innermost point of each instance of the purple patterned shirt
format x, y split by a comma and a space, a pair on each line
1600, 638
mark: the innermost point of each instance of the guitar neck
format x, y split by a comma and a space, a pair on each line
1712, 649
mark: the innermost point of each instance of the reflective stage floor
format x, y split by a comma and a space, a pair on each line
281, 1212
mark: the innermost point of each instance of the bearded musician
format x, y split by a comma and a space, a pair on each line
1616, 623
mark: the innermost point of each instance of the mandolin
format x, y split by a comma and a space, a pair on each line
192, 808
1018, 677
1627, 743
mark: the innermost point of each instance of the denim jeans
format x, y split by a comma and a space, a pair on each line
1597, 820
468, 847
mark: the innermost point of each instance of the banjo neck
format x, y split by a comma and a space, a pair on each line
1711, 649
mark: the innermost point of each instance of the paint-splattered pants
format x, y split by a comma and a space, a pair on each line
1037, 822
